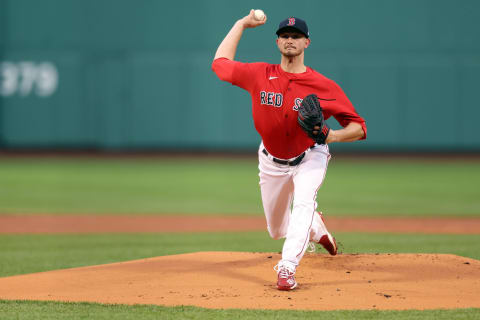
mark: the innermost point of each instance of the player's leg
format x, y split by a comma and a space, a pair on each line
307, 179
318, 227
276, 188
319, 234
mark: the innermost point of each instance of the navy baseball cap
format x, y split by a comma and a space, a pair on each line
293, 24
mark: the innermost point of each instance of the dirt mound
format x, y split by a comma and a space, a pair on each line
247, 281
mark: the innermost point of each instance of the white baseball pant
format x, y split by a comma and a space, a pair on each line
289, 200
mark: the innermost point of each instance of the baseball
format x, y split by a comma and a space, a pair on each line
259, 15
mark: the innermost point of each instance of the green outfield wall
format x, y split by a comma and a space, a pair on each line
118, 74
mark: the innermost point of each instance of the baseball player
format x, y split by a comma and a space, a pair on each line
293, 155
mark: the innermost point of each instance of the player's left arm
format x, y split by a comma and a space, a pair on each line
352, 132
353, 126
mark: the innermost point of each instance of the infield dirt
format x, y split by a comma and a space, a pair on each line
12, 224
247, 281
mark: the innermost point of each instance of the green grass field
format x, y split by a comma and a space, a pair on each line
222, 186
54, 310
228, 186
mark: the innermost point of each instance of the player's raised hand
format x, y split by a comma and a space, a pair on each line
252, 20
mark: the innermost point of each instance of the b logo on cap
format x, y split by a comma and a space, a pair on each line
291, 21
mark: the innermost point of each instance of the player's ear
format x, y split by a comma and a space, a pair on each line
307, 43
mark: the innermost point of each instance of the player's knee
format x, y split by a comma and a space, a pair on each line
276, 234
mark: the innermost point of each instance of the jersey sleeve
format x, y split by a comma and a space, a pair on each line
342, 109
237, 73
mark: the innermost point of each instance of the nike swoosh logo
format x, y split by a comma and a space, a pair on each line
271, 78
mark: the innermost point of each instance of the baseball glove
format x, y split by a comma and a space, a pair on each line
310, 115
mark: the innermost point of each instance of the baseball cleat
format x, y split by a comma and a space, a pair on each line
328, 241
286, 278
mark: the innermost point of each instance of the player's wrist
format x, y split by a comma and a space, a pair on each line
241, 23
332, 136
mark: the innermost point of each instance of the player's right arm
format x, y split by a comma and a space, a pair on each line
228, 47
235, 72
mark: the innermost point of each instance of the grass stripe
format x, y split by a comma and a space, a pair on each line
230, 186
21, 254
55, 310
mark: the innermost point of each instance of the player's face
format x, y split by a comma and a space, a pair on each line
292, 44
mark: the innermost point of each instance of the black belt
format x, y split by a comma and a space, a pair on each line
293, 162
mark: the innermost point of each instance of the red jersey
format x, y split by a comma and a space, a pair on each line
276, 96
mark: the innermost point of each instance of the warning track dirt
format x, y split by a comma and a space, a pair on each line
14, 224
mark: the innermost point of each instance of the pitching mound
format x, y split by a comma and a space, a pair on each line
247, 280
